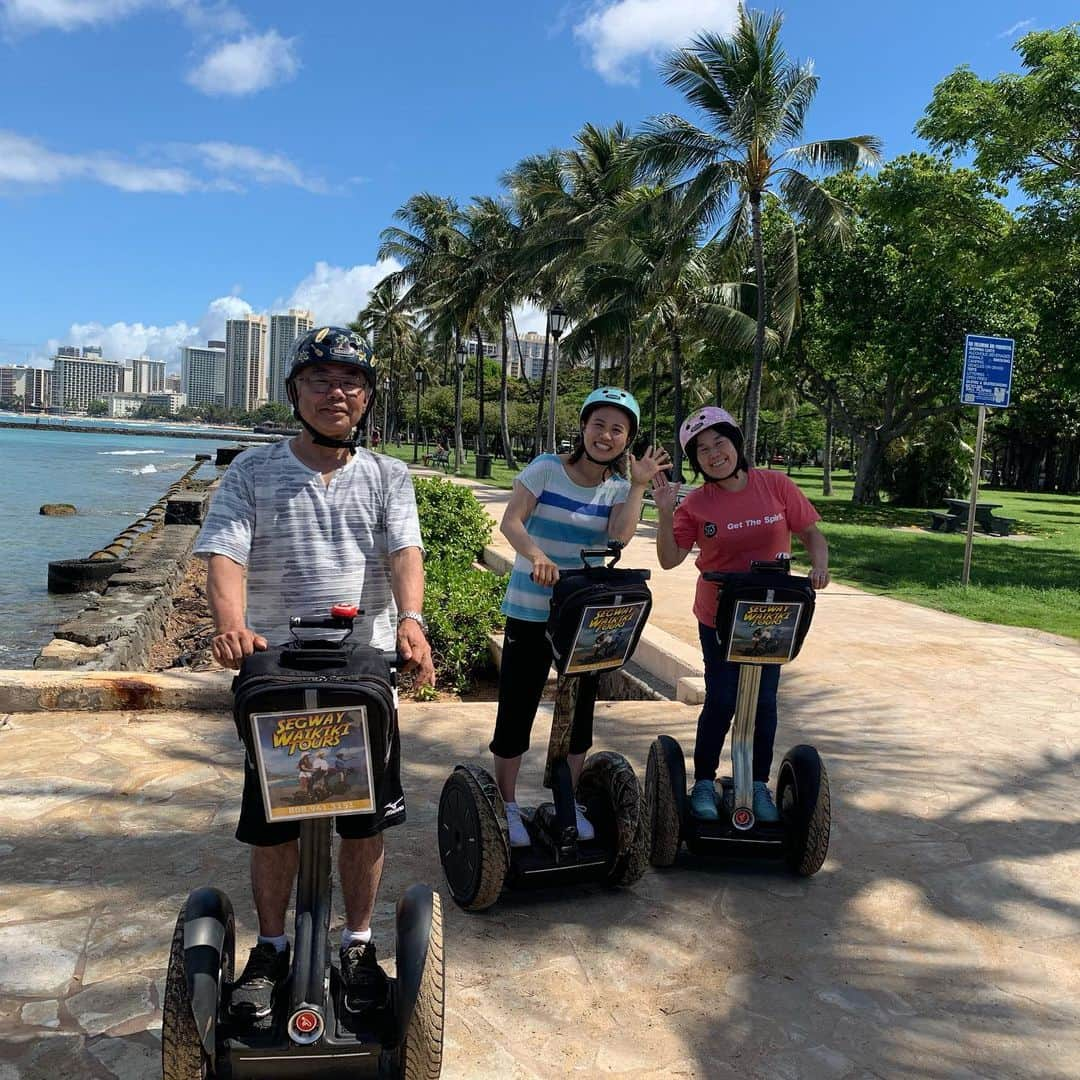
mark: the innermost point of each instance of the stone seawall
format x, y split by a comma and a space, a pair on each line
117, 629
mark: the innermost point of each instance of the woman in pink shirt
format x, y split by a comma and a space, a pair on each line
738, 515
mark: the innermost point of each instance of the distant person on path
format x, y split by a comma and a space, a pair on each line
739, 515
316, 521
562, 503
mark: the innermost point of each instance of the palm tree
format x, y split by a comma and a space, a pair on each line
754, 100
387, 320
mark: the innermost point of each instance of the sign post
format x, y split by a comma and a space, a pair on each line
986, 382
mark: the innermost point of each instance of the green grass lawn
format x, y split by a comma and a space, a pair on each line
1032, 580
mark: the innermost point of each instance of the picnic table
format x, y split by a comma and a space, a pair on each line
955, 518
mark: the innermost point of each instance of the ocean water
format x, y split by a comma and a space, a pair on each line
111, 479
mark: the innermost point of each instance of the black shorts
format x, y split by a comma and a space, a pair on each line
254, 829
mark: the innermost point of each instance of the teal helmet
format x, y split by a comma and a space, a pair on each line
619, 399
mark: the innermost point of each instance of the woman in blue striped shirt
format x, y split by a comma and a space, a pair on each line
561, 504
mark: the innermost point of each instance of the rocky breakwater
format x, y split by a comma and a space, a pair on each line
119, 627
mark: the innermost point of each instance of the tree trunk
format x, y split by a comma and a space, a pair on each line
826, 472
753, 392
459, 449
676, 386
480, 389
626, 361
595, 365
868, 477
543, 387
504, 425
653, 406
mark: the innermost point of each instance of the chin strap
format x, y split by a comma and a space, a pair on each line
606, 465
324, 440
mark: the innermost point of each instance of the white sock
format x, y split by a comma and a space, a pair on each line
281, 942
354, 937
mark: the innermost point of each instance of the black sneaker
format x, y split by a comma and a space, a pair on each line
253, 993
365, 982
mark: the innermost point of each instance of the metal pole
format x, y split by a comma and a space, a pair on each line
554, 393
416, 426
976, 469
457, 417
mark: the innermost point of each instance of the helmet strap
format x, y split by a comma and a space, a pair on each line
318, 438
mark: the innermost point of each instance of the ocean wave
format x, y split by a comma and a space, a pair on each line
144, 470
126, 453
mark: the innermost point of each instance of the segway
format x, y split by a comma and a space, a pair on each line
310, 693
597, 615
762, 618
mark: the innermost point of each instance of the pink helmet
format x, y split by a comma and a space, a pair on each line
704, 418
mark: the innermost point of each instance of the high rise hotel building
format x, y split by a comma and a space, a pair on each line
78, 380
202, 373
285, 328
245, 362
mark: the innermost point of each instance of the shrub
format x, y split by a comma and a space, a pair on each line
461, 605
929, 467
453, 525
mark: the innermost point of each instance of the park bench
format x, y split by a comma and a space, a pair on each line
956, 517
1001, 525
439, 459
943, 521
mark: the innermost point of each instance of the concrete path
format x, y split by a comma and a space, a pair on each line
940, 939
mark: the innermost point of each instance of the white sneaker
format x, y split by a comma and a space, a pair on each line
585, 830
519, 835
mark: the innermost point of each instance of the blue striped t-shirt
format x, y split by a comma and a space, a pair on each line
567, 518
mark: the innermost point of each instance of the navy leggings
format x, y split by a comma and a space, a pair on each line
721, 689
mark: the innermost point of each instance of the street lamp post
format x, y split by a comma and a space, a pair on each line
557, 319
461, 355
418, 375
385, 407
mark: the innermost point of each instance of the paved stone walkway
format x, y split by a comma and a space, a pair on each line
939, 940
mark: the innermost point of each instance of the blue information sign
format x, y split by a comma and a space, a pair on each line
988, 367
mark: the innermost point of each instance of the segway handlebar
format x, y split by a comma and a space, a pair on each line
614, 549
758, 566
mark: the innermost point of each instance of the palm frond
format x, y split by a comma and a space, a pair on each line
839, 154
821, 211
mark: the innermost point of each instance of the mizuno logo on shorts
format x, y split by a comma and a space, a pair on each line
395, 807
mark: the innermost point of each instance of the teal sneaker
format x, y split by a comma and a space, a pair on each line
703, 800
764, 807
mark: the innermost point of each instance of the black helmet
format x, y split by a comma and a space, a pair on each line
331, 345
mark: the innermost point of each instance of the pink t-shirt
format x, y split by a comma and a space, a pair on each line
731, 529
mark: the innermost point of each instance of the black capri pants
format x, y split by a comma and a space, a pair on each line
526, 660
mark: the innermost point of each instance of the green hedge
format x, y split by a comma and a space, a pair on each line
461, 603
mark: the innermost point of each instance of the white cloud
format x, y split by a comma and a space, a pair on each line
248, 162
335, 293
28, 16
1016, 28
618, 34
25, 161
529, 317
216, 166
31, 15
247, 65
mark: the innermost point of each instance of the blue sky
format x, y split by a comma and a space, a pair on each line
165, 163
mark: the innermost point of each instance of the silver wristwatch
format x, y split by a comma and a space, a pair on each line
416, 616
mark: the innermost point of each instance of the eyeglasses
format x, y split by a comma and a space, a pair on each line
322, 385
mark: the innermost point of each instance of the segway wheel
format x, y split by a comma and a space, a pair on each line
803, 798
611, 794
473, 843
182, 1053
665, 790
421, 1048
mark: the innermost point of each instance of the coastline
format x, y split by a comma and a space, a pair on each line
231, 434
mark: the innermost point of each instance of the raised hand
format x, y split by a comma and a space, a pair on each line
665, 495
649, 465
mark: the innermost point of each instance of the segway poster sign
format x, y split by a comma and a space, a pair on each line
604, 636
314, 763
988, 368
763, 633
